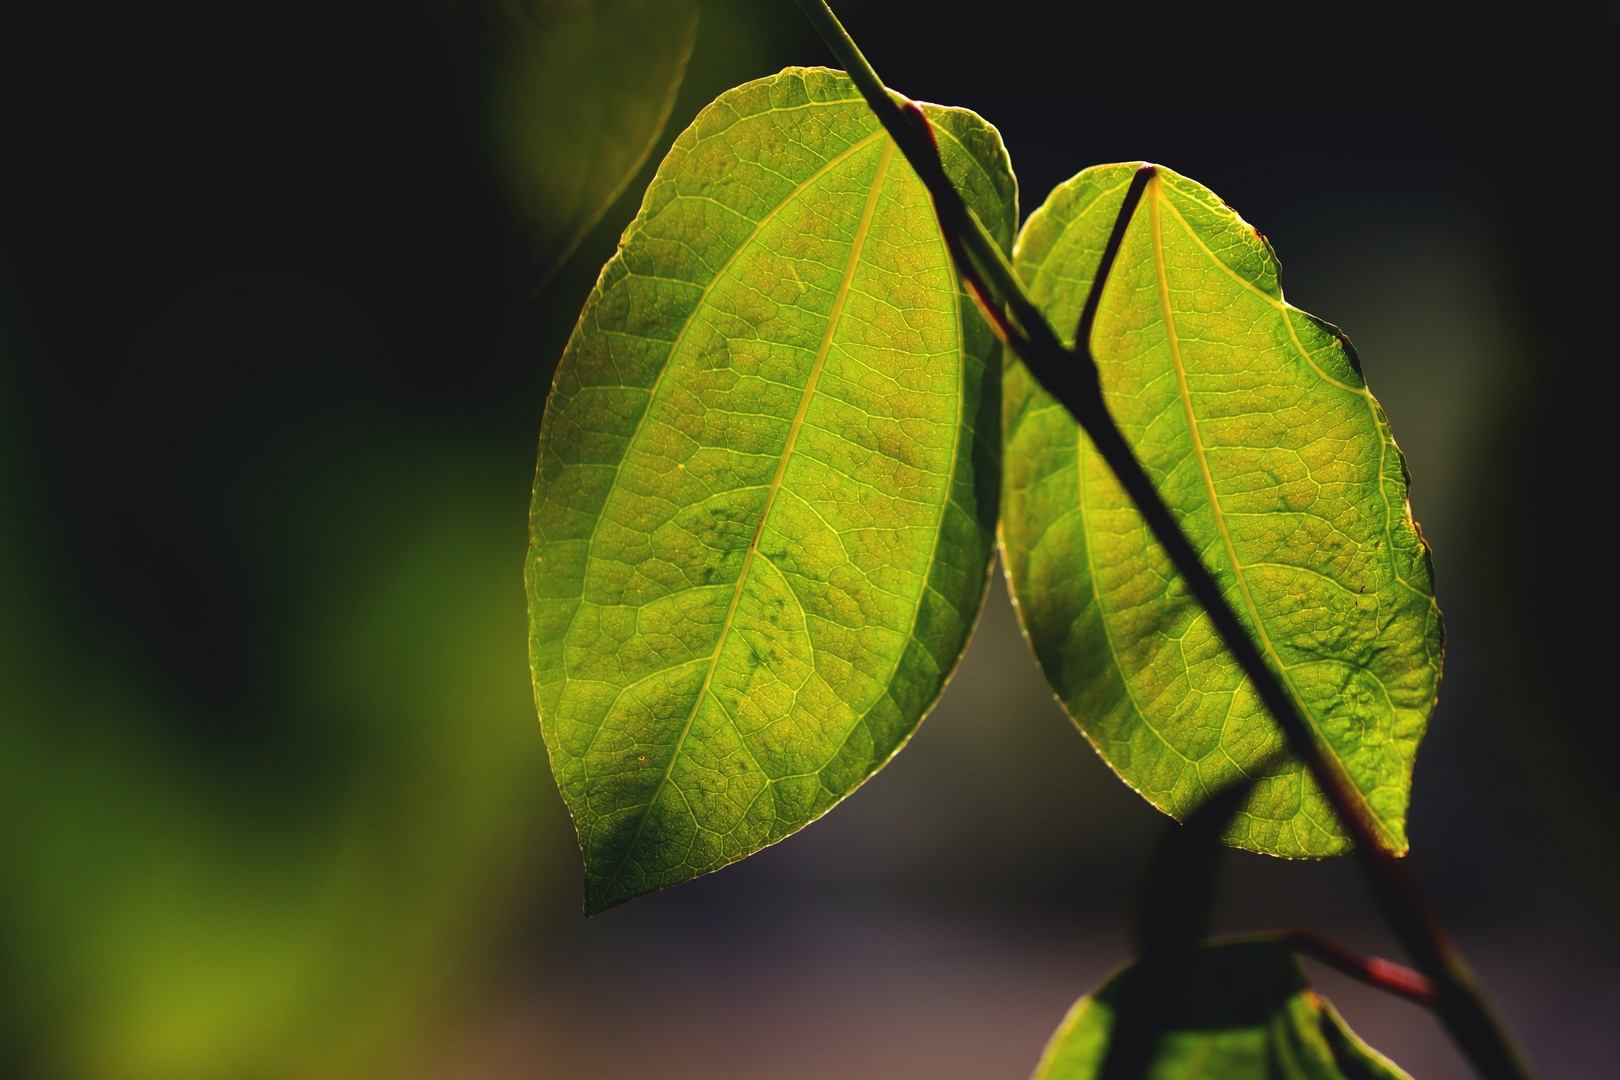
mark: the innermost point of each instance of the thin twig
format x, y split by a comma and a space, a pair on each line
1386, 975
1072, 378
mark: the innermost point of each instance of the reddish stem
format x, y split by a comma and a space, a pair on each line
1387, 975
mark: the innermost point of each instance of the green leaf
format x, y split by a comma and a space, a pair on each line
578, 93
768, 482
1254, 422
1242, 1010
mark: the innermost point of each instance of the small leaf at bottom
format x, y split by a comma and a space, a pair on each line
1242, 1011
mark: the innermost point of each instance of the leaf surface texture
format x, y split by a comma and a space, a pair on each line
1243, 1011
1254, 422
765, 505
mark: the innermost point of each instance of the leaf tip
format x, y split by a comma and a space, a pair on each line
600, 895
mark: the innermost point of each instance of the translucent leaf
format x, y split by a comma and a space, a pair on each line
1242, 1011
579, 91
1254, 421
768, 482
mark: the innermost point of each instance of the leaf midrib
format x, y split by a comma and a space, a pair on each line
691, 318
1155, 196
834, 316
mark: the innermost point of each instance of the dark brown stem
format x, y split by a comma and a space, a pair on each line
1116, 236
1071, 376
1172, 914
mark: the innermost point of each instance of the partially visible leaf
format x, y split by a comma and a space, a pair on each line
578, 93
766, 499
1254, 422
1242, 1011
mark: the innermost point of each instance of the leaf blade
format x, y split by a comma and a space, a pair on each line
1254, 421
770, 464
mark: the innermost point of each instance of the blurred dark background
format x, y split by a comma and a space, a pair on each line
273, 355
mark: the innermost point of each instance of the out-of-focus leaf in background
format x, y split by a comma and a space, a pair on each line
575, 95
1243, 1011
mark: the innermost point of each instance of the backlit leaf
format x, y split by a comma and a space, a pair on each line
1254, 422
768, 481
1242, 1011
